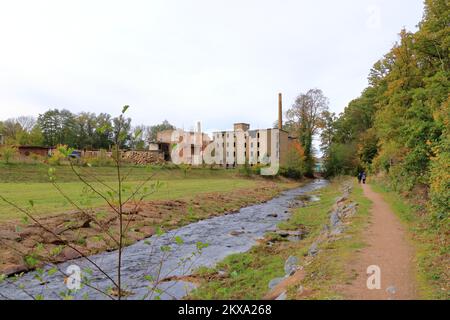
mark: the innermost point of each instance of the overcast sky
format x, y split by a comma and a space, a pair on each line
218, 61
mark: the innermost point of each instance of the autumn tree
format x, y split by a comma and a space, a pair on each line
306, 118
400, 124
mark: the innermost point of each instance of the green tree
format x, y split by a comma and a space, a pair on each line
152, 131
122, 131
103, 132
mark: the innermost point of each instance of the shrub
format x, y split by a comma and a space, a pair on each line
58, 155
246, 170
440, 182
290, 172
8, 153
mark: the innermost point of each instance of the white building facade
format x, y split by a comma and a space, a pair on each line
254, 147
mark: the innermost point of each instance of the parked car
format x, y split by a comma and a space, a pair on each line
75, 155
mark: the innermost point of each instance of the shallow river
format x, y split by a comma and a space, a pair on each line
150, 260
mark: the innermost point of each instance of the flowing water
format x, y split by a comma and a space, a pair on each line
150, 259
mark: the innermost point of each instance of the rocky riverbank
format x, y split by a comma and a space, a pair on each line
342, 210
25, 246
305, 257
159, 267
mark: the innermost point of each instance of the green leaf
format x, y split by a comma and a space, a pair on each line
125, 108
165, 248
159, 231
179, 240
31, 261
25, 220
56, 251
52, 271
201, 245
149, 278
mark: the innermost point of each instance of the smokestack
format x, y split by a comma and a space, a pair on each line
198, 136
280, 111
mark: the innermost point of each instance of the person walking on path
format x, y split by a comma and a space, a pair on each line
359, 177
364, 177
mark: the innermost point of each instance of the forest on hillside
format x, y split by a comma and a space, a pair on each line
399, 127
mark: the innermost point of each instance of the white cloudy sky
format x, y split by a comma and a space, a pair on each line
218, 61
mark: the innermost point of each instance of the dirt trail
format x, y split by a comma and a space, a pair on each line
388, 249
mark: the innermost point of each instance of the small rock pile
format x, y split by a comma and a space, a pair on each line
341, 210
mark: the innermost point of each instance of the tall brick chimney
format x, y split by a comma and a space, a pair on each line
280, 111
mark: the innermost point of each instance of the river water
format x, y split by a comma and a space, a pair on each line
150, 260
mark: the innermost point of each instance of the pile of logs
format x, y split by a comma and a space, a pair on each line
143, 157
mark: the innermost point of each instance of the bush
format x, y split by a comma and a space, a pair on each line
440, 182
58, 155
8, 153
291, 173
246, 170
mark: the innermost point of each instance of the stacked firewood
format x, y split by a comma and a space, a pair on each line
143, 157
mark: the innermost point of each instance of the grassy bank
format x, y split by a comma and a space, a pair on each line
431, 243
247, 275
24, 172
47, 200
21, 183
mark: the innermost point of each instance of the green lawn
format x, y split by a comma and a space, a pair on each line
21, 183
22, 172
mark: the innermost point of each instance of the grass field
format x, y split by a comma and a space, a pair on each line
21, 172
21, 183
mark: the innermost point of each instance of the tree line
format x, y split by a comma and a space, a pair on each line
399, 126
85, 130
